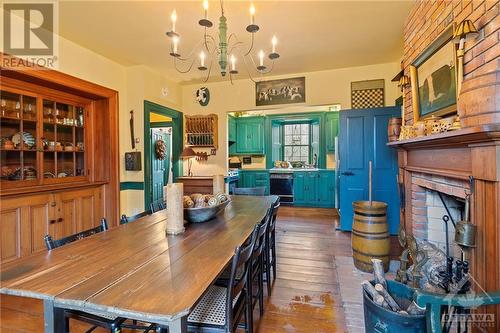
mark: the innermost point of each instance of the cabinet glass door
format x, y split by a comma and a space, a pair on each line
18, 138
63, 140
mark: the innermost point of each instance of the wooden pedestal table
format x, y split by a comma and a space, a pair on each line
134, 270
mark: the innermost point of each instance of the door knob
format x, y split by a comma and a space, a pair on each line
347, 173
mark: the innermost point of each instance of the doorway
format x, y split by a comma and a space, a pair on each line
166, 125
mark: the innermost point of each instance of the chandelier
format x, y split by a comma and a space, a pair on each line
228, 48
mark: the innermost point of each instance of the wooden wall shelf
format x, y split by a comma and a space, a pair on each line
201, 131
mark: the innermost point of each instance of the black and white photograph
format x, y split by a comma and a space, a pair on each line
284, 91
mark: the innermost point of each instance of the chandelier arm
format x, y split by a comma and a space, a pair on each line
235, 46
251, 45
247, 70
209, 71
183, 71
190, 53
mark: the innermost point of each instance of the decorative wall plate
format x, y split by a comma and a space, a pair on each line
27, 138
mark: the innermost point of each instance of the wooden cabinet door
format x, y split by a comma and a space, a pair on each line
78, 210
24, 223
11, 243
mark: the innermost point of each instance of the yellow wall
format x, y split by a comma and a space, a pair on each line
322, 88
134, 85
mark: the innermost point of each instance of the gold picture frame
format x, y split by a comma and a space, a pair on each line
436, 93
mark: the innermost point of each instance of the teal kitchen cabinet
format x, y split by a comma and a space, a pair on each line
326, 188
332, 130
314, 188
254, 178
250, 135
231, 135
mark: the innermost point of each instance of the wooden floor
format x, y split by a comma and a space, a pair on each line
305, 296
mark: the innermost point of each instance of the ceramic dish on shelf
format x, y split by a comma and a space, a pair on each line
26, 137
61, 175
48, 174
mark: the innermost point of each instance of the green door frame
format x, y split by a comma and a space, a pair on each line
177, 143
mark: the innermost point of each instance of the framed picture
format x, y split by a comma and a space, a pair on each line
285, 91
434, 79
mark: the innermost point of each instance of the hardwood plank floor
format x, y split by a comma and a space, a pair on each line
305, 296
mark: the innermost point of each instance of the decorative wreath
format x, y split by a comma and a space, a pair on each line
160, 149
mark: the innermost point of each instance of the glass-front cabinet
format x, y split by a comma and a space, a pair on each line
42, 139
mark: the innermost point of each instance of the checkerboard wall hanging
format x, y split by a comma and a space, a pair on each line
367, 94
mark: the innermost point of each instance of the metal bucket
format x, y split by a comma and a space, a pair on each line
370, 234
380, 320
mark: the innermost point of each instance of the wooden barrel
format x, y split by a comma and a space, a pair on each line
394, 128
370, 234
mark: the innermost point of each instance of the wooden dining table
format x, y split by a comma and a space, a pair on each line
135, 270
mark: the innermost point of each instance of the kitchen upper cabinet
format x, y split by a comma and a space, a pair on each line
231, 129
332, 130
250, 135
314, 188
254, 178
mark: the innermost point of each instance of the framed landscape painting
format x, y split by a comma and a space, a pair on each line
434, 79
283, 91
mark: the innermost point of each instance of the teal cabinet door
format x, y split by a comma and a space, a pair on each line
332, 130
326, 188
299, 197
250, 178
250, 135
311, 188
231, 129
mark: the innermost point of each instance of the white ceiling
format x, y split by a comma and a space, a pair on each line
313, 35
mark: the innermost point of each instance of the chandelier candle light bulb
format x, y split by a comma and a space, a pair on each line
202, 59
233, 62
205, 6
274, 41
252, 14
175, 42
173, 18
261, 58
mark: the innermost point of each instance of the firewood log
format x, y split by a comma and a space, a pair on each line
387, 297
378, 272
376, 297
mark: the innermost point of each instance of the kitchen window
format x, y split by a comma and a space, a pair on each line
297, 142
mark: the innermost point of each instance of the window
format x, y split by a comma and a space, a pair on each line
297, 142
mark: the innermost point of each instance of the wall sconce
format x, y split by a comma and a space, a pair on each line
465, 31
404, 82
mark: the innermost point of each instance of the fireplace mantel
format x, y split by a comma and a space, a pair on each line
470, 156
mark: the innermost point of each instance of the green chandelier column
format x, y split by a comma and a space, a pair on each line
223, 44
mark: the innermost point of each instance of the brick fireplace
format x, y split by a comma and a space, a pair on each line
432, 198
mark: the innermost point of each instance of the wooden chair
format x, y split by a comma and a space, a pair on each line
157, 206
270, 254
434, 302
52, 244
95, 319
126, 219
257, 191
221, 308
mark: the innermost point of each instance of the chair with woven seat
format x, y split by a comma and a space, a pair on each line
127, 219
96, 320
221, 308
257, 191
158, 205
270, 254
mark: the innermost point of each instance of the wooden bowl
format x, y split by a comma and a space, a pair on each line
204, 214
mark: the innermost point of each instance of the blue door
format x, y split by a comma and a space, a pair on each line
159, 168
363, 138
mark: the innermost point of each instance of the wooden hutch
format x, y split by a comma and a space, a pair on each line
58, 157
